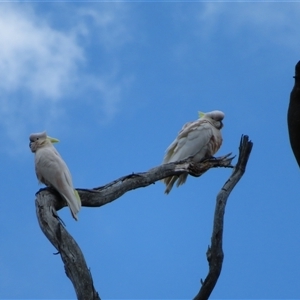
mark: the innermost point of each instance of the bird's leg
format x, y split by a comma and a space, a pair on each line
41, 189
46, 188
208, 158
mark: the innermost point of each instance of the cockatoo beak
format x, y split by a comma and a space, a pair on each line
52, 140
201, 114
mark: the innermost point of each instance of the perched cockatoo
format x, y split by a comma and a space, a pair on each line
52, 170
199, 140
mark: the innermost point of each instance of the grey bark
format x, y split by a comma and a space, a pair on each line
75, 266
215, 253
48, 202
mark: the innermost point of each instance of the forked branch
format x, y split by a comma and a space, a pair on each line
48, 202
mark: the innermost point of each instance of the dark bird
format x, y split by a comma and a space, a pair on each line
293, 116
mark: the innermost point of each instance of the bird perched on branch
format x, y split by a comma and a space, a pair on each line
199, 140
293, 116
52, 170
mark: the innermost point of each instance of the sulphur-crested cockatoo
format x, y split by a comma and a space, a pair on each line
199, 140
52, 170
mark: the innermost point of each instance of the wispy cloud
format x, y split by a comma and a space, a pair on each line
35, 57
245, 29
275, 22
43, 66
111, 23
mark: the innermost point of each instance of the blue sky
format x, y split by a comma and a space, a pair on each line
115, 82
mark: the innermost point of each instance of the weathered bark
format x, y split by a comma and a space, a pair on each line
49, 201
105, 194
74, 262
293, 116
215, 253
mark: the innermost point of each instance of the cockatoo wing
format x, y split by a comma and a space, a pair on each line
192, 140
53, 171
199, 140
170, 150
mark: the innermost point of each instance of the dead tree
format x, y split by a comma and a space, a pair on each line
48, 202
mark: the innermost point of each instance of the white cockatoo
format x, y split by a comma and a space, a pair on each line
199, 139
52, 170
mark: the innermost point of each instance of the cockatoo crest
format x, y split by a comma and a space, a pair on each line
201, 114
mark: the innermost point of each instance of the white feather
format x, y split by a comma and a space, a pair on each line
199, 140
52, 171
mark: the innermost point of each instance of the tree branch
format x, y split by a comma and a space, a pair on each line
71, 255
48, 201
215, 253
105, 194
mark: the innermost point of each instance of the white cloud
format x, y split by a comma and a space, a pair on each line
43, 66
33, 56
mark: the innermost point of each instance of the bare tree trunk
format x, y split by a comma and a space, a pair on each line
48, 201
215, 253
